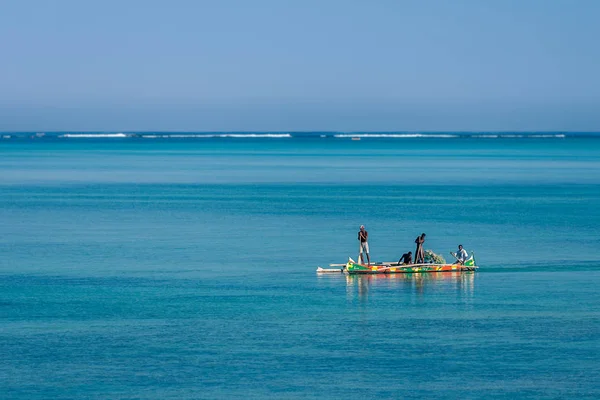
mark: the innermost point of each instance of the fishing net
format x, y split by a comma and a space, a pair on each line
432, 258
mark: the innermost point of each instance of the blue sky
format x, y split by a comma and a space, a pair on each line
300, 65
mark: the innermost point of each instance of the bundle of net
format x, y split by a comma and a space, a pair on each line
432, 258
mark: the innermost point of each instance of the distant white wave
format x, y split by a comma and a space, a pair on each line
222, 135
257, 135
511, 136
393, 135
288, 135
547, 136
94, 135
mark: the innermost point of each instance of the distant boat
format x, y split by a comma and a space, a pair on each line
355, 138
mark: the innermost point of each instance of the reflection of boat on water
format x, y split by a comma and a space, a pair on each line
462, 282
360, 285
431, 277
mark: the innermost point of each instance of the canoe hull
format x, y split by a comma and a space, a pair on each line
354, 268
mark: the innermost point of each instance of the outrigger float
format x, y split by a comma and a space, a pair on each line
354, 268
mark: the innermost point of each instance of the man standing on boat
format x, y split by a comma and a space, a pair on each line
363, 236
420, 253
461, 255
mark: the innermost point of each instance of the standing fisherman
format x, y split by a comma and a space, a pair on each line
419, 253
363, 236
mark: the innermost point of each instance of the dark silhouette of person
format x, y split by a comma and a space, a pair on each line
363, 237
406, 258
420, 253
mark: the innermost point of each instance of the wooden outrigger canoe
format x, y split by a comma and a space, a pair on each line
351, 267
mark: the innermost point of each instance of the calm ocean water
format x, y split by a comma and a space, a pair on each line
166, 267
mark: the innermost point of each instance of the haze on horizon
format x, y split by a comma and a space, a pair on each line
268, 65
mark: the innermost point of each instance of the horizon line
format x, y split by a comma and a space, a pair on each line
296, 131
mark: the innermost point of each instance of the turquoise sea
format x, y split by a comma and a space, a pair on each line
167, 266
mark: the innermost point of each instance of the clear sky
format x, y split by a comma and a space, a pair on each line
281, 65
